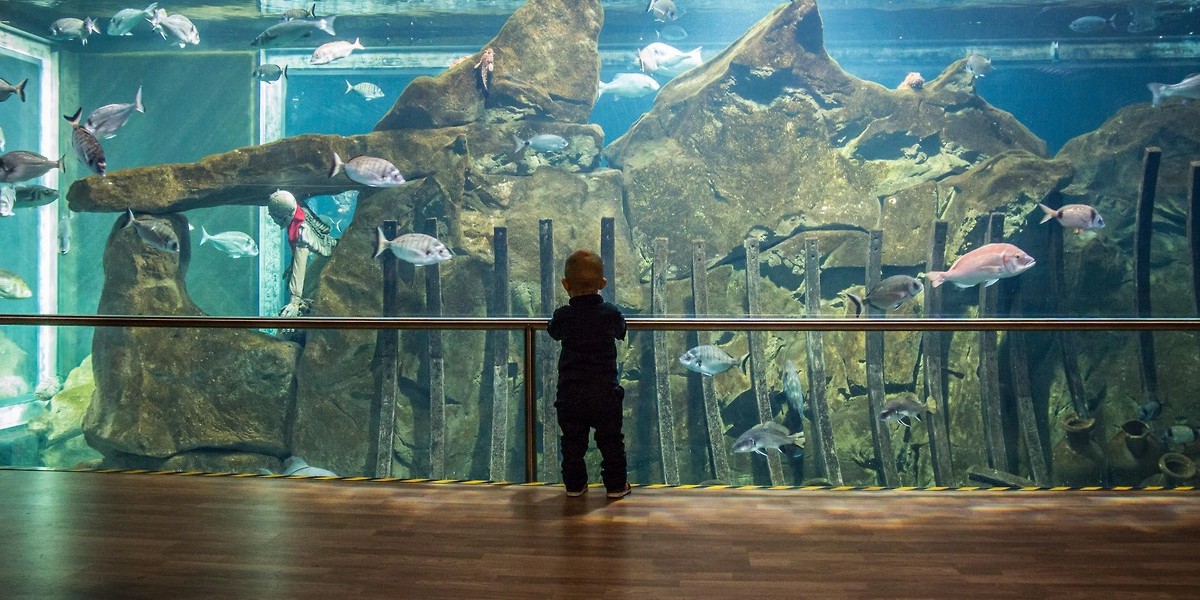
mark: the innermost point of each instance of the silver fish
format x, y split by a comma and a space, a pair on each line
888, 294
767, 435
792, 388
904, 406
175, 27
156, 232
287, 32
629, 85
64, 233
7, 90
13, 287
295, 465
663, 11
3, 140
8, 199
366, 89
368, 170
292, 14
1079, 217
658, 58
33, 195
978, 65
234, 243
124, 21
106, 120
87, 147
544, 142
269, 72
416, 248
22, 165
333, 51
1188, 88
707, 360
71, 28
1178, 435
1093, 24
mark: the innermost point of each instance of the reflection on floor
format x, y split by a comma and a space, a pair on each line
89, 535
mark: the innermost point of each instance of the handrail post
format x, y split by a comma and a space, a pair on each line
530, 405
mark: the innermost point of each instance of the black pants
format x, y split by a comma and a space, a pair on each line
580, 411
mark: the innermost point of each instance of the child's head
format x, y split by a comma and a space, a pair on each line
583, 274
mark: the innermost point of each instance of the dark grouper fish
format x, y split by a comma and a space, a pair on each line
87, 147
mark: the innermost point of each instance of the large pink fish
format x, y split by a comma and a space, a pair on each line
986, 264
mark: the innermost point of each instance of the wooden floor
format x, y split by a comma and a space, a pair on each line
90, 535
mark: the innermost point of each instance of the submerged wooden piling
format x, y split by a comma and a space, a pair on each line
935, 375
758, 368
881, 436
1018, 362
608, 254
1193, 232
1067, 345
437, 366
662, 365
382, 424
719, 455
1141, 270
821, 442
989, 366
548, 355
502, 307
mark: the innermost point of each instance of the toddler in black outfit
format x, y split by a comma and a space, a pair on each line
588, 394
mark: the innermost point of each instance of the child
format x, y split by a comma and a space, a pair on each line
588, 394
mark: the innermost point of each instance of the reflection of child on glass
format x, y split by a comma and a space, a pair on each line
588, 394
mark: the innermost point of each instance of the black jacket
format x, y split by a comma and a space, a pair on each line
588, 328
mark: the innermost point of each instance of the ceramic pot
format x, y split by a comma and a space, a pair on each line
1077, 460
1175, 470
1132, 454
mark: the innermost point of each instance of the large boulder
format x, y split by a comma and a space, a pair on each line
60, 429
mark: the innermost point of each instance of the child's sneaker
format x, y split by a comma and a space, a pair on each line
576, 493
619, 493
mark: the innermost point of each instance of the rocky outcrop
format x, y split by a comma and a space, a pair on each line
60, 429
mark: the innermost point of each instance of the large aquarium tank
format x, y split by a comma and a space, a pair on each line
906, 243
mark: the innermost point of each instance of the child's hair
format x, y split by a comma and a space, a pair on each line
584, 271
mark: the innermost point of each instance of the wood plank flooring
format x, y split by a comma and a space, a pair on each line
89, 535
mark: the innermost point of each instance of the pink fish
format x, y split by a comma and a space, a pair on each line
987, 265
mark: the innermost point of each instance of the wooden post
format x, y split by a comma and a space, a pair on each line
935, 375
1141, 270
994, 477
712, 408
758, 368
881, 436
383, 415
662, 365
608, 254
989, 368
437, 366
822, 439
548, 355
502, 307
1018, 362
1066, 339
1193, 232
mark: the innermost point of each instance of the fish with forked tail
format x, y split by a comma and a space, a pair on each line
708, 360
370, 171
154, 231
416, 248
986, 264
7, 90
22, 165
906, 405
888, 294
767, 435
87, 147
1078, 217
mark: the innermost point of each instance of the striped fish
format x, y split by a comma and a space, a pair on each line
366, 89
707, 360
416, 248
87, 147
368, 170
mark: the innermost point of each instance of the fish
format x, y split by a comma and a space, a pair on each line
416, 248
978, 65
294, 465
485, 67
64, 233
3, 140
8, 200
1143, 16
543, 142
1188, 88
269, 72
292, 14
368, 170
767, 435
672, 33
87, 147
1149, 411
906, 405
792, 388
888, 294
124, 21
1079, 217
707, 360
658, 58
663, 11
13, 287
1093, 24
7, 90
366, 89
287, 32
71, 28
1176, 435
106, 120
180, 28
986, 264
629, 85
22, 165
33, 195
333, 51
234, 243
155, 232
